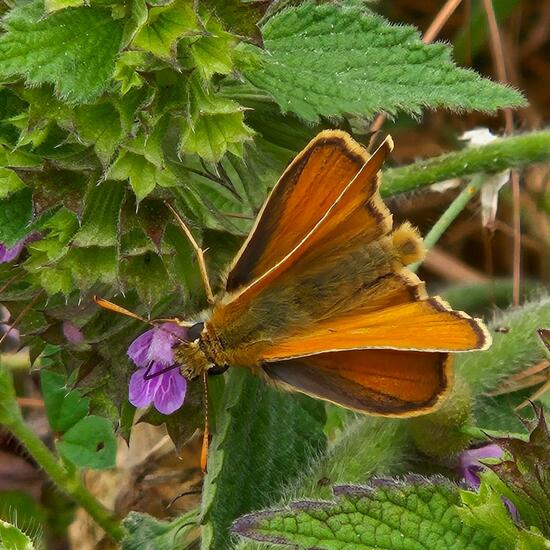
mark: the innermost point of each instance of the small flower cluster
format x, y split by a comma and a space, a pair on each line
153, 353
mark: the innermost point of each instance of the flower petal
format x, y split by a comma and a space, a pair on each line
138, 351
162, 342
142, 392
170, 393
9, 254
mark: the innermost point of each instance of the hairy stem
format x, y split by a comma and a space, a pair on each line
509, 152
454, 209
67, 481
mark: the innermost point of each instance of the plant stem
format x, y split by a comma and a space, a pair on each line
454, 209
67, 482
503, 153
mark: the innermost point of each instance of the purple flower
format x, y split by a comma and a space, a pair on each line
72, 333
153, 350
469, 465
8, 254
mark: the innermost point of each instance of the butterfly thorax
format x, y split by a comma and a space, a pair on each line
205, 353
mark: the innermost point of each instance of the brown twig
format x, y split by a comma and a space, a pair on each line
500, 67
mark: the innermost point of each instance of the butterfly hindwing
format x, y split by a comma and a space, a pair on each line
379, 382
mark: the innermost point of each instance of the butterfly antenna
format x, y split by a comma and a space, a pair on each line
110, 306
206, 436
199, 252
21, 316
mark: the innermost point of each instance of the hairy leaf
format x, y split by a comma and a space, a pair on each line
64, 407
12, 538
73, 49
329, 60
148, 533
164, 26
9, 182
100, 125
90, 443
414, 513
15, 217
101, 216
280, 432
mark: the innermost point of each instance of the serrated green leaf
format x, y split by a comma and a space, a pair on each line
212, 53
64, 407
100, 125
280, 432
56, 5
165, 26
90, 443
485, 509
213, 134
147, 275
142, 174
91, 265
100, 222
15, 217
126, 70
332, 60
74, 49
135, 21
9, 182
11, 538
416, 513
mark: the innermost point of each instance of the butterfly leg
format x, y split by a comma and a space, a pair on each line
199, 252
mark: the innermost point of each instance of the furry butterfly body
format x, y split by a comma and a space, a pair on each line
319, 299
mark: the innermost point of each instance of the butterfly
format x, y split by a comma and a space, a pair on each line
319, 300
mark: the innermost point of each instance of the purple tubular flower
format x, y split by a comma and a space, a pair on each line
469, 465
8, 254
153, 350
72, 333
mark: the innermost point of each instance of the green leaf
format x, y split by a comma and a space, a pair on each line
280, 432
9, 182
90, 265
64, 407
212, 53
415, 513
165, 26
527, 474
100, 222
485, 509
147, 275
142, 174
11, 538
73, 49
216, 125
331, 60
148, 533
55, 5
15, 217
100, 126
511, 352
90, 443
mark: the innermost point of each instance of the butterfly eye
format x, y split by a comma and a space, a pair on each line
195, 331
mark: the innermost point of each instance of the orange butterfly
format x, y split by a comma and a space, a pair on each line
318, 299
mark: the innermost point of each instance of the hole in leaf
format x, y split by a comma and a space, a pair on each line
99, 446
